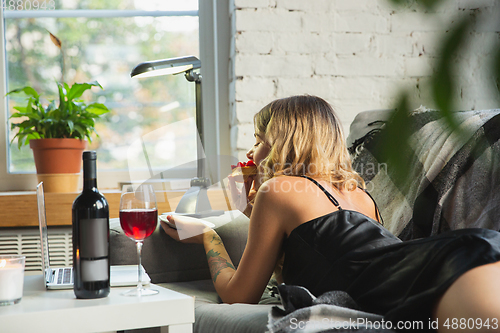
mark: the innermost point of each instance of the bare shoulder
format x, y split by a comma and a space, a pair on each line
271, 210
280, 194
285, 187
295, 200
291, 198
359, 200
278, 189
307, 200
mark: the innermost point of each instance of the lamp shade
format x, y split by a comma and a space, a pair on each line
165, 66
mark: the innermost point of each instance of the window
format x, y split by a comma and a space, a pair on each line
103, 40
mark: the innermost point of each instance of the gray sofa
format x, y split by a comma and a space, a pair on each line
453, 183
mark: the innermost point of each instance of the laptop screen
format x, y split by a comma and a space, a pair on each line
42, 223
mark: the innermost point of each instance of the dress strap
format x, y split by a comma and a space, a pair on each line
332, 199
377, 211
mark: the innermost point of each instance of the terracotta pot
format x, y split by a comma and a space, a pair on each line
58, 155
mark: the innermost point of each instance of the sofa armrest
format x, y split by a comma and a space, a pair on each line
167, 260
365, 122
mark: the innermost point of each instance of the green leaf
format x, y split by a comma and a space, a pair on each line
97, 109
71, 126
27, 90
50, 107
25, 137
34, 115
62, 100
95, 84
34, 110
80, 130
20, 109
66, 88
25, 124
47, 121
395, 142
20, 114
78, 89
20, 140
443, 82
34, 135
89, 122
30, 136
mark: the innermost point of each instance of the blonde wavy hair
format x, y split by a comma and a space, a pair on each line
306, 138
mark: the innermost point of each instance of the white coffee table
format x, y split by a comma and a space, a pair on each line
59, 311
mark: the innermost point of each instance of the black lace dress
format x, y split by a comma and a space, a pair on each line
348, 251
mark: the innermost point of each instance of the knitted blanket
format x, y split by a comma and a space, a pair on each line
333, 311
453, 180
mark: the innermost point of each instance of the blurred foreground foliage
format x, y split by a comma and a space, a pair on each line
395, 139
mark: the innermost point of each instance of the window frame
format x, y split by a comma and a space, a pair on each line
214, 32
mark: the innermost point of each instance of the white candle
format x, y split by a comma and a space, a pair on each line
11, 279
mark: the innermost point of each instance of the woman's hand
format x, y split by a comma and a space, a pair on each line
242, 200
185, 229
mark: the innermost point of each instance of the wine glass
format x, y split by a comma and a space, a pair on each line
138, 219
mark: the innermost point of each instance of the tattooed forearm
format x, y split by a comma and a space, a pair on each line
216, 240
216, 263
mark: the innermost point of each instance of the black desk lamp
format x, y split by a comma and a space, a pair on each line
195, 201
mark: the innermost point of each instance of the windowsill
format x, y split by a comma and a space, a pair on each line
21, 207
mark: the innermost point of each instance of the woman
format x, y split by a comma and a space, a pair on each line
310, 207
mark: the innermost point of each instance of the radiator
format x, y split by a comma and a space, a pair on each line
26, 241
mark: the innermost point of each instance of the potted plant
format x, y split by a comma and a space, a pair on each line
57, 132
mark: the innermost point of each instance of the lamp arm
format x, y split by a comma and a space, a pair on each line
195, 77
192, 76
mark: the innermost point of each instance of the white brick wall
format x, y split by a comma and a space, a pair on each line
357, 54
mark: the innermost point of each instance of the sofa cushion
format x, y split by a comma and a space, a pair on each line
211, 316
202, 290
241, 318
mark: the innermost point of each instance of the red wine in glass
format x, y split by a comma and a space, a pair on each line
138, 219
138, 224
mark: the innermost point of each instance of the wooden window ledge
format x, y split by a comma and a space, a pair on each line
19, 209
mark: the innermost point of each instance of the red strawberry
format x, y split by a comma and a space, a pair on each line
250, 163
240, 164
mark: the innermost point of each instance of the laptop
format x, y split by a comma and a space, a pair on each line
62, 277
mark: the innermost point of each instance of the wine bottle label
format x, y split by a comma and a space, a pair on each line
93, 238
94, 270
